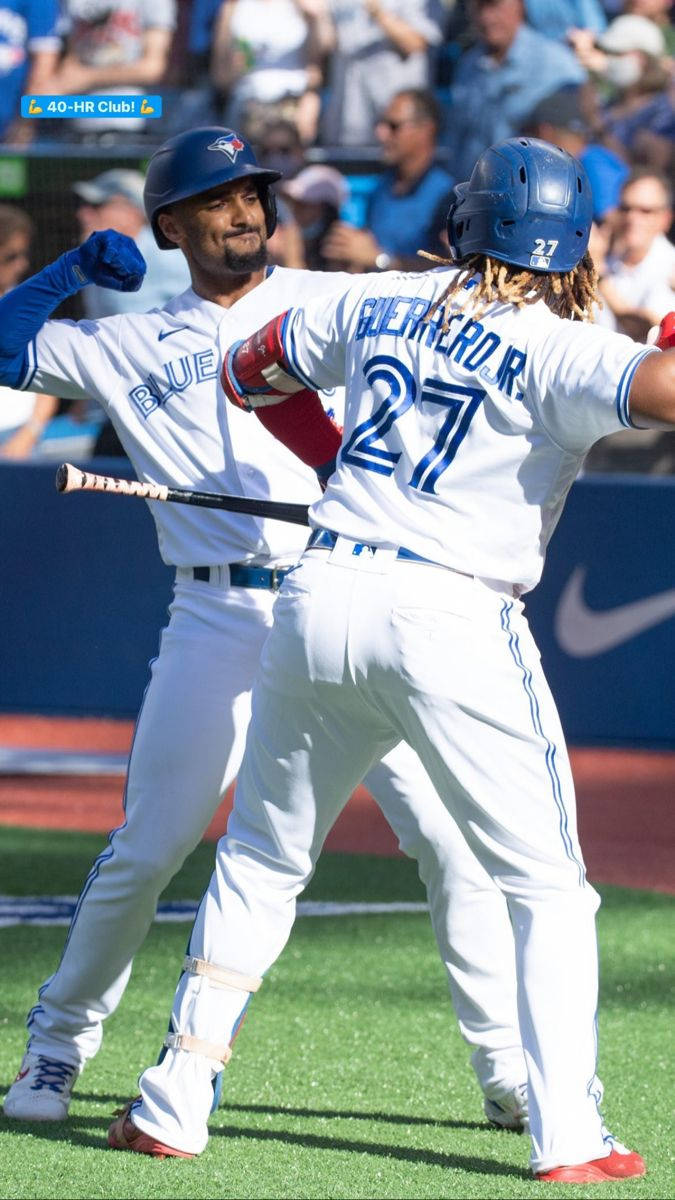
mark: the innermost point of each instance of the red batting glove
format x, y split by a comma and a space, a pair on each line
666, 335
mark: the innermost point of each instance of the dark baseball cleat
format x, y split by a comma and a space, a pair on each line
124, 1135
619, 1164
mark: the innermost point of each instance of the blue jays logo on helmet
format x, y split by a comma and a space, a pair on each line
228, 144
196, 161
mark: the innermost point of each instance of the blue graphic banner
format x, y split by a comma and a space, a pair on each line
41, 107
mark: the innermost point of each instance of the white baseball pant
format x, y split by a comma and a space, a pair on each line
364, 652
187, 748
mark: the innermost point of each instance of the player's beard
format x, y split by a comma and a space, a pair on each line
245, 263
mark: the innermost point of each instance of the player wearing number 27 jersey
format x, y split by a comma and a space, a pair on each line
461, 443
470, 405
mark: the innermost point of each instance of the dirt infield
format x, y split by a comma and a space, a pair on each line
625, 800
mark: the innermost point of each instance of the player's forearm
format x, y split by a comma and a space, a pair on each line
257, 375
302, 424
107, 258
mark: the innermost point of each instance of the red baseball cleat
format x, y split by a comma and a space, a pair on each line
124, 1135
616, 1165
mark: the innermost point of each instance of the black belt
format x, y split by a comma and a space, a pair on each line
242, 575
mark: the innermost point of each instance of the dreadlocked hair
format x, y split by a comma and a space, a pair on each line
569, 294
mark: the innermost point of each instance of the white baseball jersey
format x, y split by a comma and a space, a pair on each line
425, 462
157, 376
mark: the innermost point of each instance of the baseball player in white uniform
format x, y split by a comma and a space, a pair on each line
156, 374
472, 397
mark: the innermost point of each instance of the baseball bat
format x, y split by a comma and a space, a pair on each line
71, 479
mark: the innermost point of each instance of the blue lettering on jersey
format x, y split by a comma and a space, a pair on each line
465, 341
175, 377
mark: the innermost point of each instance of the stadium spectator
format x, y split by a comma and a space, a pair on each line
629, 59
381, 48
560, 119
267, 62
500, 80
114, 200
114, 47
280, 148
406, 211
29, 51
658, 11
23, 415
638, 282
315, 197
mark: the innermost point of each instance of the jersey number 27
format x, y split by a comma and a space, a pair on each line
366, 447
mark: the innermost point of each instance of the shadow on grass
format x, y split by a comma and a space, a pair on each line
290, 1111
348, 1114
75, 1131
433, 1158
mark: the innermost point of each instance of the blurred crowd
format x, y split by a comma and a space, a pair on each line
372, 109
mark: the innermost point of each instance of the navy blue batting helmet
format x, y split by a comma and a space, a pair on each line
528, 203
195, 161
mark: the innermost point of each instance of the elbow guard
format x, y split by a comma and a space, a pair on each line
255, 372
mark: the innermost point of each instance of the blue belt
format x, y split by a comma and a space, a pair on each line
326, 539
241, 575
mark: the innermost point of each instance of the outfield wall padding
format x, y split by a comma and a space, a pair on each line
83, 596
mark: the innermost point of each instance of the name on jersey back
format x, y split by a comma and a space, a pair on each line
467, 342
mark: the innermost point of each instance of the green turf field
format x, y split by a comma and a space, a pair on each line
349, 1078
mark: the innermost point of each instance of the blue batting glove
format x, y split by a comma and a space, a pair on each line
109, 259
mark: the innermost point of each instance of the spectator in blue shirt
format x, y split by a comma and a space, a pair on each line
500, 79
407, 209
29, 51
554, 17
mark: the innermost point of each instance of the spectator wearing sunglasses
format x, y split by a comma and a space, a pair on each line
638, 280
407, 210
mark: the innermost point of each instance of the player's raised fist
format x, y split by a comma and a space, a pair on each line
109, 259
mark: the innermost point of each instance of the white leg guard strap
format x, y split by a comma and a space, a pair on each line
185, 1041
221, 976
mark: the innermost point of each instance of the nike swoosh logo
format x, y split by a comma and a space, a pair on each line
168, 332
582, 631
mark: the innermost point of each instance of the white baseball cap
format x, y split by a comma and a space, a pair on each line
117, 182
632, 32
317, 185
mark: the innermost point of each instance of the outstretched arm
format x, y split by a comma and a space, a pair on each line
258, 377
652, 393
107, 258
